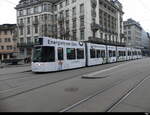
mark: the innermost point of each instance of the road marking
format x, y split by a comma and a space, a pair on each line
98, 72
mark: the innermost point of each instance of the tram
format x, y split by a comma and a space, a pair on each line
51, 55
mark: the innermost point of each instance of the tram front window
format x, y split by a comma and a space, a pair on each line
44, 54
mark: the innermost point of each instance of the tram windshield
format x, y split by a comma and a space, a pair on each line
44, 54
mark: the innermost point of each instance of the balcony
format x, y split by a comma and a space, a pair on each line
25, 45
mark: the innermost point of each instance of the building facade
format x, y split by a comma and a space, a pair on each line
97, 21
133, 33
145, 43
8, 41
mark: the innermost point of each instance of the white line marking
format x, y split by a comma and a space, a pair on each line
98, 72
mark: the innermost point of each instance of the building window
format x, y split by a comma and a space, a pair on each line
21, 31
21, 40
67, 13
61, 5
5, 39
45, 8
67, 2
36, 9
36, 29
28, 40
9, 47
82, 34
28, 11
74, 24
74, 35
20, 12
101, 34
82, 9
73, 1
82, 22
28, 29
9, 40
74, 12
28, 20
2, 47
67, 25
5, 32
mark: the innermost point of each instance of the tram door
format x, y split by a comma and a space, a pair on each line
60, 58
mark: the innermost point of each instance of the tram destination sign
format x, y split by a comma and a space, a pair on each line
58, 42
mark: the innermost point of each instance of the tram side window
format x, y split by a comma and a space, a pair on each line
103, 54
60, 54
129, 53
114, 53
124, 53
93, 53
133, 53
71, 55
98, 53
80, 53
110, 53
120, 53
48, 54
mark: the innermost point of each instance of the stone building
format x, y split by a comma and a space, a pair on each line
8, 41
133, 32
97, 21
145, 43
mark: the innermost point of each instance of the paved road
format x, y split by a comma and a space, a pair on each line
69, 91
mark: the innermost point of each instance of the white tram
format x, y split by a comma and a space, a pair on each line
111, 53
96, 54
129, 54
121, 54
139, 53
134, 54
56, 55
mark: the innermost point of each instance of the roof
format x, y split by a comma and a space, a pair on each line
7, 26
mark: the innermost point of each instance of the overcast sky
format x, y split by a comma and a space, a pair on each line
135, 9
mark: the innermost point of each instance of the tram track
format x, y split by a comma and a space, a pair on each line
45, 84
117, 102
27, 76
121, 99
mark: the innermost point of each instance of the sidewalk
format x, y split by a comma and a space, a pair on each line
9, 69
